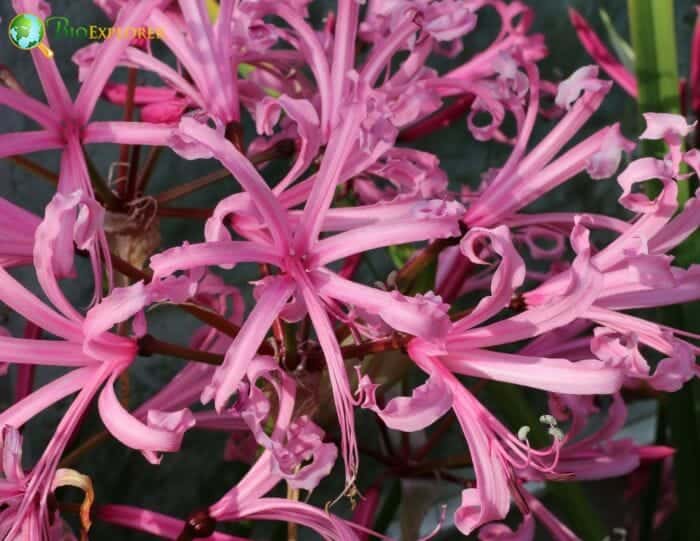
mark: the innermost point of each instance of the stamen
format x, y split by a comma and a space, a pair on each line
523, 431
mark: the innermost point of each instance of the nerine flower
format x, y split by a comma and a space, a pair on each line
303, 272
95, 362
65, 122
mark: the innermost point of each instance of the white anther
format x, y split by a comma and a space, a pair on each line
548, 420
622, 532
556, 433
523, 431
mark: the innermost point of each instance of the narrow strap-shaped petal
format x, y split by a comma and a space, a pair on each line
554, 375
182, 391
247, 176
119, 306
30, 107
26, 142
490, 499
19, 299
176, 41
340, 145
513, 162
43, 352
132, 432
215, 63
134, 56
133, 15
593, 221
18, 227
678, 228
343, 51
307, 124
46, 396
534, 186
284, 510
42, 477
244, 347
686, 289
51, 81
127, 133
563, 131
315, 56
554, 526
655, 214
383, 51
500, 532
192, 256
257, 482
68, 219
424, 316
340, 384
150, 522
16, 221
428, 220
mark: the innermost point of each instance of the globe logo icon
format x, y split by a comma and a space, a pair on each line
26, 32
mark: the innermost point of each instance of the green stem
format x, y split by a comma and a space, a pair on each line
653, 33
654, 41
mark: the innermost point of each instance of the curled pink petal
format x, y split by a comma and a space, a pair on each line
163, 433
427, 404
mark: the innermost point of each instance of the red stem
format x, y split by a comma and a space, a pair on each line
443, 118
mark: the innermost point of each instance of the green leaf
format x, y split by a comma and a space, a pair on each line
654, 42
623, 50
400, 254
653, 33
425, 281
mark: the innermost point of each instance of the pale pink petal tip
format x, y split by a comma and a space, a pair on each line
583, 79
664, 125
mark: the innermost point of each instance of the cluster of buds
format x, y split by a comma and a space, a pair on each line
487, 289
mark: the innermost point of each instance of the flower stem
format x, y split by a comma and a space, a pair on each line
149, 344
33, 167
147, 170
193, 185
106, 196
205, 315
123, 170
440, 120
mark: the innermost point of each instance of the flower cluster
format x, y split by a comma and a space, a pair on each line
525, 298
